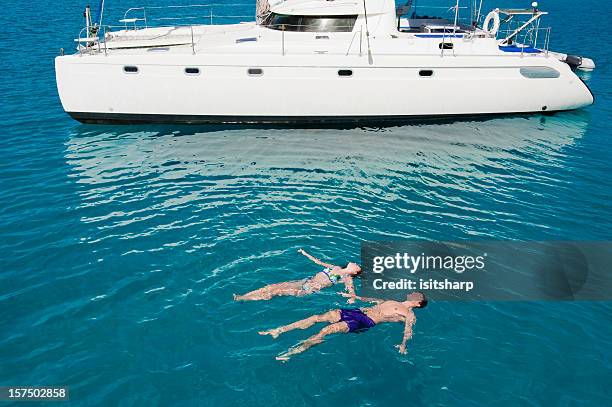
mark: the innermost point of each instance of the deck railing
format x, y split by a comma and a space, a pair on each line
529, 38
94, 39
144, 16
98, 42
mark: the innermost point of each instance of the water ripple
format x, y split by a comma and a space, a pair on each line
122, 246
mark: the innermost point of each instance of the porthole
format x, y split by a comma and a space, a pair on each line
255, 72
158, 49
446, 45
426, 73
192, 71
345, 72
249, 39
130, 69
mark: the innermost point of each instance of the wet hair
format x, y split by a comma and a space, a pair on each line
423, 302
357, 273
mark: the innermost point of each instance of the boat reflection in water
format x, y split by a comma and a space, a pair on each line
410, 181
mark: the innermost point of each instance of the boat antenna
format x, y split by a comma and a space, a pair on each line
456, 18
100, 14
365, 12
479, 10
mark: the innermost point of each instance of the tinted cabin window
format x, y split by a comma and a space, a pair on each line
539, 72
130, 69
426, 73
310, 23
192, 71
255, 71
345, 72
445, 45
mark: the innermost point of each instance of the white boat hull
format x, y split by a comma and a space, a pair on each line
96, 89
317, 62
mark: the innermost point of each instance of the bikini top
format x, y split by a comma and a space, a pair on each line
334, 278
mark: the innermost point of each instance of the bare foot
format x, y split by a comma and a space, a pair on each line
241, 297
272, 332
282, 358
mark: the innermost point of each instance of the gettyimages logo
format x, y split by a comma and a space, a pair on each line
489, 270
412, 264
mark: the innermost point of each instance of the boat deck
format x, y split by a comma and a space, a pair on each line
249, 38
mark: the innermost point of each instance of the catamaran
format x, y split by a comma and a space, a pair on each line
317, 62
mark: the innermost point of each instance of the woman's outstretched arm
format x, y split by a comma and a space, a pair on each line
364, 299
350, 288
315, 260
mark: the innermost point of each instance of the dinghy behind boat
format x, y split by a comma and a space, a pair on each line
576, 62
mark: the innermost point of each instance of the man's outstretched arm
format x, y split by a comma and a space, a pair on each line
407, 334
315, 260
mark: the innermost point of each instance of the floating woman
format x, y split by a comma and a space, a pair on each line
329, 276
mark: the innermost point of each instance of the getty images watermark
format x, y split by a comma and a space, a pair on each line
488, 270
420, 263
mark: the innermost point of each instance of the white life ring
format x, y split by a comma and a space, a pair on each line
492, 16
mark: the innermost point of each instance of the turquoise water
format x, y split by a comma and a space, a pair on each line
121, 247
